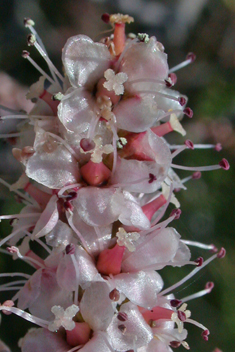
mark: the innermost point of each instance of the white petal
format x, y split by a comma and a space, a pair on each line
85, 61
96, 306
141, 288
48, 219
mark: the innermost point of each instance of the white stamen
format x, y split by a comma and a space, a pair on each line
187, 277
29, 317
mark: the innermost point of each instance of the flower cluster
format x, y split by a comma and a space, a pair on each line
98, 178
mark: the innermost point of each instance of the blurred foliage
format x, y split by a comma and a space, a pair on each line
206, 27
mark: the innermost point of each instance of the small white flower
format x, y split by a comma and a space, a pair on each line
127, 238
63, 317
115, 82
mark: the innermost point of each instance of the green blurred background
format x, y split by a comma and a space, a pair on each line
206, 27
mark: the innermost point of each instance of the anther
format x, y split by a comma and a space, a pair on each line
122, 316
25, 54
191, 57
205, 334
175, 344
114, 295
31, 39
173, 78
182, 101
221, 253
188, 112
105, 17
152, 178
209, 286
28, 22
181, 315
70, 249
122, 328
196, 175
176, 213
175, 302
87, 144
189, 144
199, 261
224, 164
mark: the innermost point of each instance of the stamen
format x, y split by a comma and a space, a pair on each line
210, 247
26, 55
187, 145
18, 216
223, 164
27, 316
180, 100
15, 274
187, 277
189, 59
114, 295
81, 238
22, 195
15, 233
208, 288
5, 108
29, 260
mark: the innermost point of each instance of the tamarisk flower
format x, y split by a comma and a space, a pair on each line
97, 180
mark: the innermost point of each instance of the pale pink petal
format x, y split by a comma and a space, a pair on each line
76, 110
38, 340
136, 114
41, 296
99, 342
140, 288
55, 169
154, 249
96, 306
48, 218
144, 61
68, 278
138, 333
85, 61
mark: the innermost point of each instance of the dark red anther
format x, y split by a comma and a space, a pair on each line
221, 253
169, 83
87, 144
176, 213
181, 315
25, 54
196, 175
114, 295
199, 261
205, 334
70, 249
173, 78
175, 303
191, 57
209, 286
122, 328
152, 178
122, 316
175, 344
182, 101
189, 144
31, 39
105, 17
224, 164
188, 112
